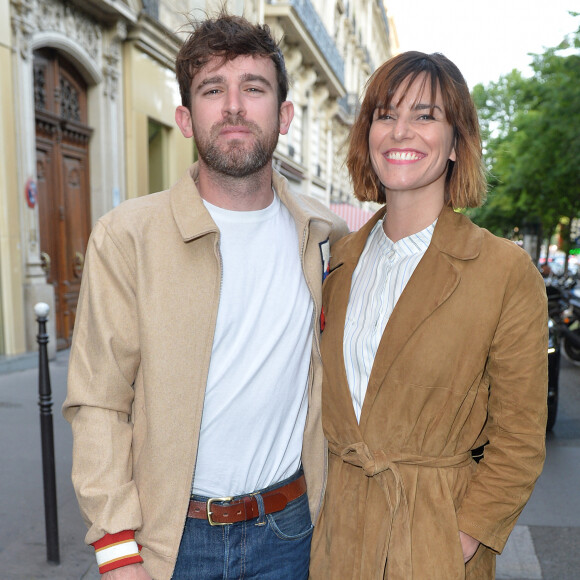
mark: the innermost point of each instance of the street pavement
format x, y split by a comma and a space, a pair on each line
543, 546
23, 554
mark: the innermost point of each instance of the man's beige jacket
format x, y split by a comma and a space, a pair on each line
140, 357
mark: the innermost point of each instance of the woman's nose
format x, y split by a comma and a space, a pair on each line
402, 129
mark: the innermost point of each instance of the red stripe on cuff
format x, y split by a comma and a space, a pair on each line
110, 539
120, 563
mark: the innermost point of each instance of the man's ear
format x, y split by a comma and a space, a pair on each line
183, 120
286, 116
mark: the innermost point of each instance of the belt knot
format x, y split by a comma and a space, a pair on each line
375, 463
371, 462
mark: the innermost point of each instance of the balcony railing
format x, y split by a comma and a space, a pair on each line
312, 22
151, 7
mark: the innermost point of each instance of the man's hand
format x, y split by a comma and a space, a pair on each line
469, 546
130, 572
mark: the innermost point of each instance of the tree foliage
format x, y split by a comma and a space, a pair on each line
531, 138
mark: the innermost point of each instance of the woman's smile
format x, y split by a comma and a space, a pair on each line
402, 156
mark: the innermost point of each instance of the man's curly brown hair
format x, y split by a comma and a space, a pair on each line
226, 36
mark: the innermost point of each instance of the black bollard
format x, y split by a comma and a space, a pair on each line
47, 436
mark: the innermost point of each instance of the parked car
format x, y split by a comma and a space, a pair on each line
556, 264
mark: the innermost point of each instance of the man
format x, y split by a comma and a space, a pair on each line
194, 381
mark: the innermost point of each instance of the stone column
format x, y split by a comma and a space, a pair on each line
36, 288
106, 110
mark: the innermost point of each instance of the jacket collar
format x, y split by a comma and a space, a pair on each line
302, 208
193, 220
454, 235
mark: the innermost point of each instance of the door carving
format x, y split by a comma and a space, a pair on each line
62, 157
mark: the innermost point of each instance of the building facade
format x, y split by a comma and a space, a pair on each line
87, 101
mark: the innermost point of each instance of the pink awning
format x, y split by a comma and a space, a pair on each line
355, 217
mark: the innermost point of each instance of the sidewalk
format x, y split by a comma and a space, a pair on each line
22, 531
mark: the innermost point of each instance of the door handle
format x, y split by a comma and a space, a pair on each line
45, 263
78, 264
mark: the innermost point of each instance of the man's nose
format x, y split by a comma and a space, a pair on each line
234, 104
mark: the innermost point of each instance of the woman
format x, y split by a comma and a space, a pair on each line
435, 344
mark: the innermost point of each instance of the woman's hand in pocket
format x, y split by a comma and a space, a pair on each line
469, 546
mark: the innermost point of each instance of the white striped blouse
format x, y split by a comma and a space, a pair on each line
378, 281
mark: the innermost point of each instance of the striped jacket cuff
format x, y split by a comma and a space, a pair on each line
117, 550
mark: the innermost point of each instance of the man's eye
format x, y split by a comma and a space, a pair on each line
254, 90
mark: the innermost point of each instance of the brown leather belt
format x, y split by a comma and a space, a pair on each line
246, 507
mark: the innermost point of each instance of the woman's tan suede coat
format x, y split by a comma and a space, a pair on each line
462, 362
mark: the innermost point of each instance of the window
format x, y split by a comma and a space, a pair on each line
157, 156
151, 7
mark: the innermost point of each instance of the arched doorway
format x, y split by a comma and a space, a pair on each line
62, 157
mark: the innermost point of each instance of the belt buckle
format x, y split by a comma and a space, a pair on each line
209, 512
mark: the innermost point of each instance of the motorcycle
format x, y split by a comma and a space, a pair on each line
556, 304
570, 327
564, 309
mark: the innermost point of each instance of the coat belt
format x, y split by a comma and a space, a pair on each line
378, 464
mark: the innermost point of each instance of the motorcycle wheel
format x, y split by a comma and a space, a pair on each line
572, 352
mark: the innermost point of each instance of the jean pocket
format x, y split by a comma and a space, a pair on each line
293, 522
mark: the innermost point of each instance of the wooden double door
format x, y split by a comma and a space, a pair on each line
62, 156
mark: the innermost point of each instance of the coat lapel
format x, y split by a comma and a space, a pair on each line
343, 261
433, 282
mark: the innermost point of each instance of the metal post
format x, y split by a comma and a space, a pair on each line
47, 436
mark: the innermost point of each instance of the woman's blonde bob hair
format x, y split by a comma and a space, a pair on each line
465, 185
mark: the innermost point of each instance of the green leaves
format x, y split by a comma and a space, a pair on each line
531, 139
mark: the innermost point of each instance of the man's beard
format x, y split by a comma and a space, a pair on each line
237, 159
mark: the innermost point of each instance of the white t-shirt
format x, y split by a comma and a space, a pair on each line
256, 395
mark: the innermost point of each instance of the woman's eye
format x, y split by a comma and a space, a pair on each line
426, 117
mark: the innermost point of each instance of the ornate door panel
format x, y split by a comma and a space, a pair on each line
62, 140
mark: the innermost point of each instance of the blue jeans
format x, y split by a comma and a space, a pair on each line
271, 547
